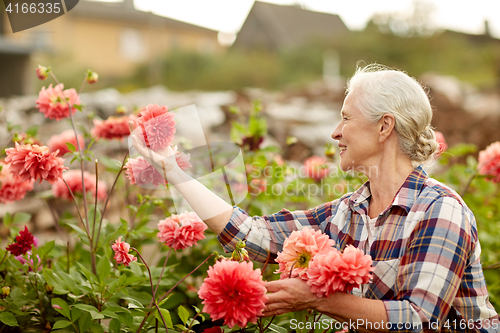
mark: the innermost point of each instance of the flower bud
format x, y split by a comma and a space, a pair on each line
121, 110
49, 288
5, 291
329, 151
92, 77
42, 72
240, 253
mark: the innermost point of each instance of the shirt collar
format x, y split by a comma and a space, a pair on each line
404, 198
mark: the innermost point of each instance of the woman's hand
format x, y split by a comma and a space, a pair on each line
288, 295
163, 161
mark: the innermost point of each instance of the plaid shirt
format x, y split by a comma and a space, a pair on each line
426, 252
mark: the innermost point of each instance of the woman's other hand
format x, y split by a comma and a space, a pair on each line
288, 295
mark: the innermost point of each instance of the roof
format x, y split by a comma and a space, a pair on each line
281, 26
7, 47
125, 12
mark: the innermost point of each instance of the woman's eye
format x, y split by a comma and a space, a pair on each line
345, 118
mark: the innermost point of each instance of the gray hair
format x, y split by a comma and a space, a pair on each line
378, 90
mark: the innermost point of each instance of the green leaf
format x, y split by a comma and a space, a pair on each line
114, 326
103, 268
8, 319
84, 322
21, 217
111, 164
65, 311
183, 314
96, 328
166, 315
89, 309
44, 250
276, 328
7, 219
61, 324
32, 131
71, 147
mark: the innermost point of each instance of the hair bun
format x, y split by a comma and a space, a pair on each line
425, 145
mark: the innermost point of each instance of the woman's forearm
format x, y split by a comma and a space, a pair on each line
213, 210
362, 314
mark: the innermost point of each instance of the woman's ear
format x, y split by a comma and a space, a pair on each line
386, 123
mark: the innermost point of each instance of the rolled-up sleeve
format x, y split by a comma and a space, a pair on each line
264, 235
431, 269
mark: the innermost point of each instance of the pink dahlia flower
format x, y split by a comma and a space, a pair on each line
489, 162
58, 142
158, 126
52, 101
298, 250
359, 267
121, 252
12, 188
441, 142
34, 162
323, 274
22, 244
74, 180
316, 167
181, 231
112, 128
233, 291
140, 172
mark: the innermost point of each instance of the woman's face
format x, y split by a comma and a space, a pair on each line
358, 138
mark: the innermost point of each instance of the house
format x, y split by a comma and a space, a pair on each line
277, 27
111, 38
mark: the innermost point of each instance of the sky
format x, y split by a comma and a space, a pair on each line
228, 15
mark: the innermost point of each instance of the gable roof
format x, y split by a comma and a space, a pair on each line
277, 26
125, 12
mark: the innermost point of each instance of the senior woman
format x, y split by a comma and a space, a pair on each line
420, 234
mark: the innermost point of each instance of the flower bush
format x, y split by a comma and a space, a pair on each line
125, 261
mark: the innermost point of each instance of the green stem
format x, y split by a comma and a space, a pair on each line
152, 288
162, 270
107, 199
194, 270
77, 208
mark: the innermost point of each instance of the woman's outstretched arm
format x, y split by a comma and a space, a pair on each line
213, 210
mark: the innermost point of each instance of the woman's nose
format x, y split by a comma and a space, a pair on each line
337, 132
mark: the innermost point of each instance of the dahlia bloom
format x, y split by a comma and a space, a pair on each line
74, 180
111, 128
121, 252
233, 291
316, 167
52, 101
298, 250
359, 267
12, 188
158, 126
181, 231
23, 243
140, 172
334, 271
58, 142
489, 162
323, 273
441, 142
34, 162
